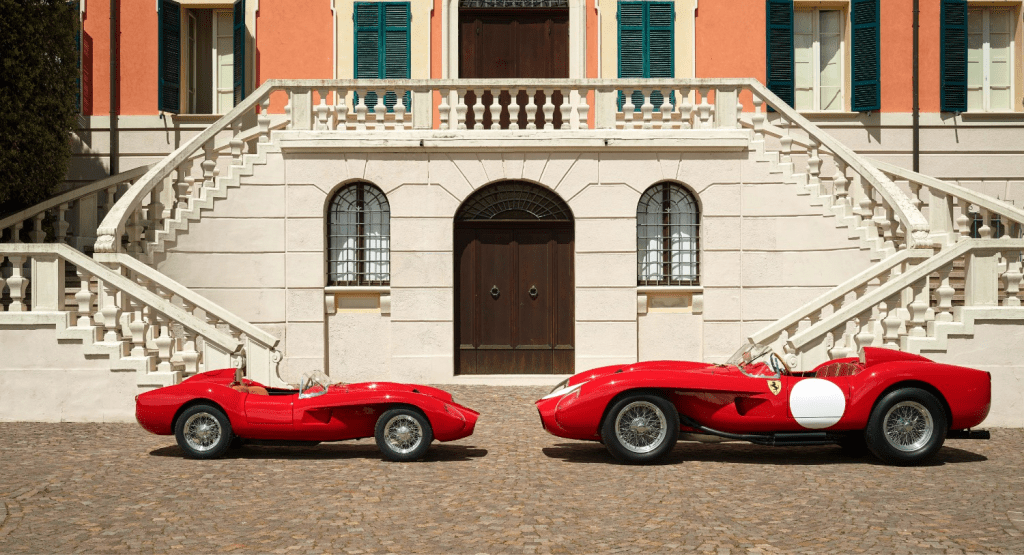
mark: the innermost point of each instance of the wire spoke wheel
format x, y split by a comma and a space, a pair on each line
202, 431
641, 427
908, 426
403, 433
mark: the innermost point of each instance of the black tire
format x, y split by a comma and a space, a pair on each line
203, 432
236, 443
916, 426
641, 446
403, 435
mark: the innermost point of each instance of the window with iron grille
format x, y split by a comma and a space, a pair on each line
668, 236
359, 237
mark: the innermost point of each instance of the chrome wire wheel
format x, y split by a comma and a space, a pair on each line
641, 427
403, 433
202, 431
908, 426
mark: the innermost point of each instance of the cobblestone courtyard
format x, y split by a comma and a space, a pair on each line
511, 487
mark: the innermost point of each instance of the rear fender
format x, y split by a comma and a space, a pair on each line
964, 392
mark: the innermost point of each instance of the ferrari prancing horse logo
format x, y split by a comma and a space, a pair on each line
775, 386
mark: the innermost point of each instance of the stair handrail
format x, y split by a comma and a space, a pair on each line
898, 283
191, 297
913, 220
73, 195
881, 268
1006, 211
134, 290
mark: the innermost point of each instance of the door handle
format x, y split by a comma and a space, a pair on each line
495, 292
533, 291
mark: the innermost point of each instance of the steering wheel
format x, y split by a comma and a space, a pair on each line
778, 365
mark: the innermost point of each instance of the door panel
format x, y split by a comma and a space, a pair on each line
516, 332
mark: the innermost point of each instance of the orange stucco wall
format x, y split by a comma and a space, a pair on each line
293, 41
731, 39
139, 58
96, 59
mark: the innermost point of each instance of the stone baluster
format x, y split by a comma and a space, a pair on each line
322, 111
154, 211
340, 110
1012, 278
185, 185
134, 230
17, 284
963, 221
110, 197
111, 312
814, 166
164, 343
647, 109
478, 109
945, 292
16, 232
380, 111
531, 109
139, 329
566, 110
786, 152
189, 354
444, 110
891, 325
263, 120
666, 109
400, 109
705, 109
460, 109
61, 225
865, 207
83, 298
513, 109
984, 230
361, 110
758, 119
628, 111
209, 164
915, 193
549, 109
38, 234
686, 109
583, 110
237, 145
495, 109
918, 307
866, 337
841, 187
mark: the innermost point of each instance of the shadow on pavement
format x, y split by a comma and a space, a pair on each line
437, 453
739, 453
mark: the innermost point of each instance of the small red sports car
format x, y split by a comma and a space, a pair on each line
211, 411
899, 406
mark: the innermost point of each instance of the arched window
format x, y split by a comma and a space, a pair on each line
668, 236
359, 237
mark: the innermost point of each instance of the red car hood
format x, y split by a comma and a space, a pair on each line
656, 365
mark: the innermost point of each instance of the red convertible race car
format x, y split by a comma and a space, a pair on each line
899, 406
209, 411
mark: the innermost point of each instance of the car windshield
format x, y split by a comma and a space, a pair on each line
313, 384
748, 353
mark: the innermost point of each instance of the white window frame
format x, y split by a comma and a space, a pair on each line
986, 56
190, 90
816, 56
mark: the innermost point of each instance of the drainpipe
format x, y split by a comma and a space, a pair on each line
113, 86
917, 106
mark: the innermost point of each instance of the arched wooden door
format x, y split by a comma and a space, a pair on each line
514, 295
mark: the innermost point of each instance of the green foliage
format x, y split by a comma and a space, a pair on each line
38, 97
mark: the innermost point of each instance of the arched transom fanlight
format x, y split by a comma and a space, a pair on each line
514, 200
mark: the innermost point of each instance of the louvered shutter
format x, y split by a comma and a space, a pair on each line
238, 48
660, 46
954, 56
866, 56
779, 62
169, 71
646, 45
395, 62
382, 46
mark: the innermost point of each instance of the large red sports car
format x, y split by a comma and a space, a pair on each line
209, 412
899, 406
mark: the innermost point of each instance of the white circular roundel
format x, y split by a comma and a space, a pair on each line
816, 403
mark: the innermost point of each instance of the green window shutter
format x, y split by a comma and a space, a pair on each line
954, 56
169, 73
779, 63
238, 50
866, 56
646, 45
382, 49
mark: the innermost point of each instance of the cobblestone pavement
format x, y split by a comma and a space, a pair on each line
510, 488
